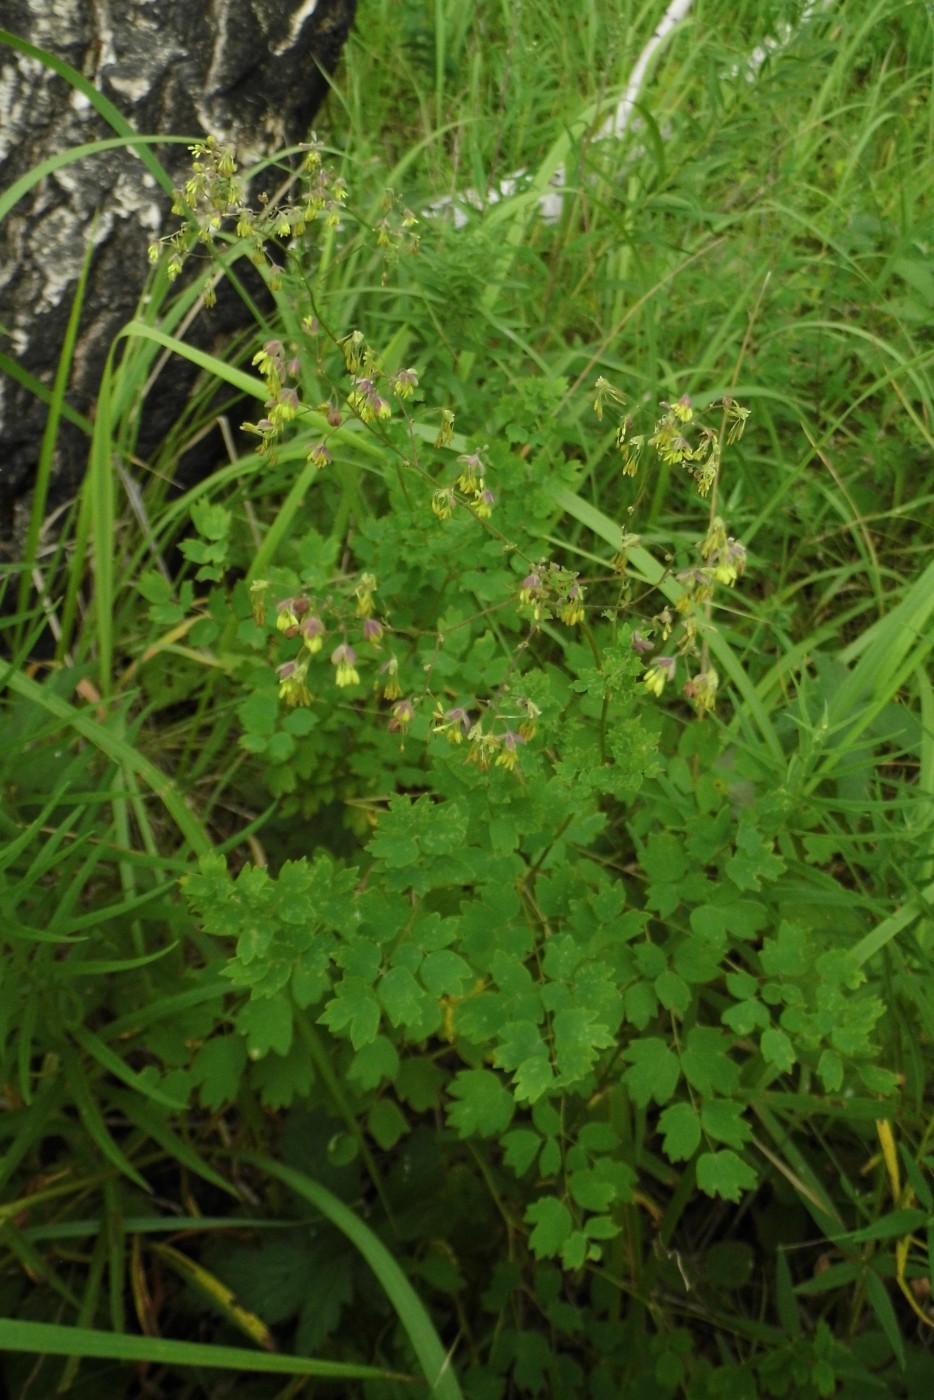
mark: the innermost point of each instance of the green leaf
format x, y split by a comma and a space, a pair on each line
706, 1063
562, 957
552, 1224
681, 1131
218, 1068
520, 1148
654, 1072
673, 992
878, 1080
386, 1124
640, 1005
415, 831
650, 959
745, 1017
374, 1063
788, 955
777, 1049
360, 960
698, 960
853, 1028
838, 966
591, 1192
549, 1163
601, 1227
401, 996
281, 1079
364, 1021
724, 1174
742, 986
754, 860
211, 521
547, 1119
578, 1036
310, 982
598, 1137
266, 1025
722, 1119
445, 973
532, 1079
664, 859
354, 1009
519, 1042
154, 587
483, 1104
419, 1083
575, 1249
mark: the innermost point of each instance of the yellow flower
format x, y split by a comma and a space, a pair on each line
453, 724
573, 610
529, 726
442, 503
657, 677
390, 670
484, 503
508, 756
403, 712
286, 616
471, 477
404, 383
364, 595
312, 632
344, 658
258, 600
319, 456
703, 690
292, 687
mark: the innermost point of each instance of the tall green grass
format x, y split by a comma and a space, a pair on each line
762, 233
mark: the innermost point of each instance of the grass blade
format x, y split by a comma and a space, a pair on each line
118, 751
49, 1339
432, 1357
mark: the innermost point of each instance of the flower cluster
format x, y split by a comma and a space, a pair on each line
678, 439
214, 195
300, 620
498, 744
724, 557
366, 402
364, 398
278, 367
470, 487
489, 737
550, 591
395, 232
724, 561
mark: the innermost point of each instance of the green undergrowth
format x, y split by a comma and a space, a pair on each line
466, 862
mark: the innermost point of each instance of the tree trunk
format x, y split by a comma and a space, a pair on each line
251, 72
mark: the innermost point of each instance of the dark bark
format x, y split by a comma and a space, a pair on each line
250, 72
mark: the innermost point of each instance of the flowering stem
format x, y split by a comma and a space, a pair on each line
708, 605
534, 869
606, 699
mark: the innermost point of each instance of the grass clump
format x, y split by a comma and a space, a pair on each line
467, 866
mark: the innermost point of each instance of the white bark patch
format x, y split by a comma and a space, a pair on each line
303, 13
